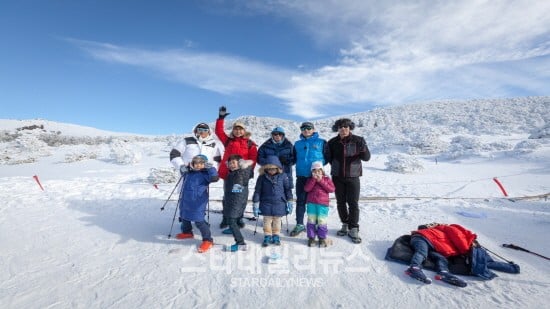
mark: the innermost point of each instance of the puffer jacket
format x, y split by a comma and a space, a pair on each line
318, 191
272, 192
449, 240
184, 151
284, 151
307, 151
235, 202
345, 155
242, 146
194, 193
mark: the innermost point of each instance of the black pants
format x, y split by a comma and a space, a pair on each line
347, 199
236, 229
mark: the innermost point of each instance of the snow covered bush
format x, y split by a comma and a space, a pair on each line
526, 147
80, 155
426, 143
124, 153
26, 148
163, 175
543, 132
403, 164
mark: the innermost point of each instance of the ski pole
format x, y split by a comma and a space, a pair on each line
256, 225
208, 206
512, 246
175, 210
287, 231
173, 220
496, 254
162, 208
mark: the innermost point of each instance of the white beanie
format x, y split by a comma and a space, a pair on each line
316, 165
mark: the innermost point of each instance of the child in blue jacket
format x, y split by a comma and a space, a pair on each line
271, 198
194, 198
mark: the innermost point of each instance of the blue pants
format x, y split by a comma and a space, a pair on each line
422, 250
301, 196
203, 227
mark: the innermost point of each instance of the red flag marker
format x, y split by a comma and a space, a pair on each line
38, 182
500, 186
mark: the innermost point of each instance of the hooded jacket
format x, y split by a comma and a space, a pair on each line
184, 151
235, 200
272, 191
242, 146
194, 193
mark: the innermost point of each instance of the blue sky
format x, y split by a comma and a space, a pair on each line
159, 67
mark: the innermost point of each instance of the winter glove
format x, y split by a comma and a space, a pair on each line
283, 160
184, 169
237, 188
289, 208
256, 209
222, 112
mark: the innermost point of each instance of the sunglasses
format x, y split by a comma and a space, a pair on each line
202, 130
306, 128
277, 134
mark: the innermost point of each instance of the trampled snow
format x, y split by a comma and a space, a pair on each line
96, 237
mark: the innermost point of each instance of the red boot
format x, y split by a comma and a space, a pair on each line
184, 235
205, 246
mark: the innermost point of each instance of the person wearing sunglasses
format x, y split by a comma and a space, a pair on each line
202, 142
346, 151
308, 149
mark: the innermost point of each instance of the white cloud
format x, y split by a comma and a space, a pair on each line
216, 72
391, 52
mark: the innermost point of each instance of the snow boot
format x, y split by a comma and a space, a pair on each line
354, 235
323, 243
445, 276
343, 231
237, 246
311, 242
299, 228
184, 235
267, 241
205, 246
417, 273
276, 240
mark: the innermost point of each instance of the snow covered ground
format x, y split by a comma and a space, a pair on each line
96, 238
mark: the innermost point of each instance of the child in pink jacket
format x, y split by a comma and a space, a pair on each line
318, 187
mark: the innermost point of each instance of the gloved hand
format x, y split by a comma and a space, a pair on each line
289, 208
237, 188
283, 160
184, 169
256, 209
222, 112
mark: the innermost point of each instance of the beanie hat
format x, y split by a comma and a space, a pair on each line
239, 124
307, 124
200, 159
316, 165
278, 130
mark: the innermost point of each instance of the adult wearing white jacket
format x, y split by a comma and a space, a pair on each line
202, 142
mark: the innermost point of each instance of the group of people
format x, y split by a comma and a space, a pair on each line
202, 160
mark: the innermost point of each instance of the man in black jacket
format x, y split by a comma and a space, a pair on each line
346, 151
